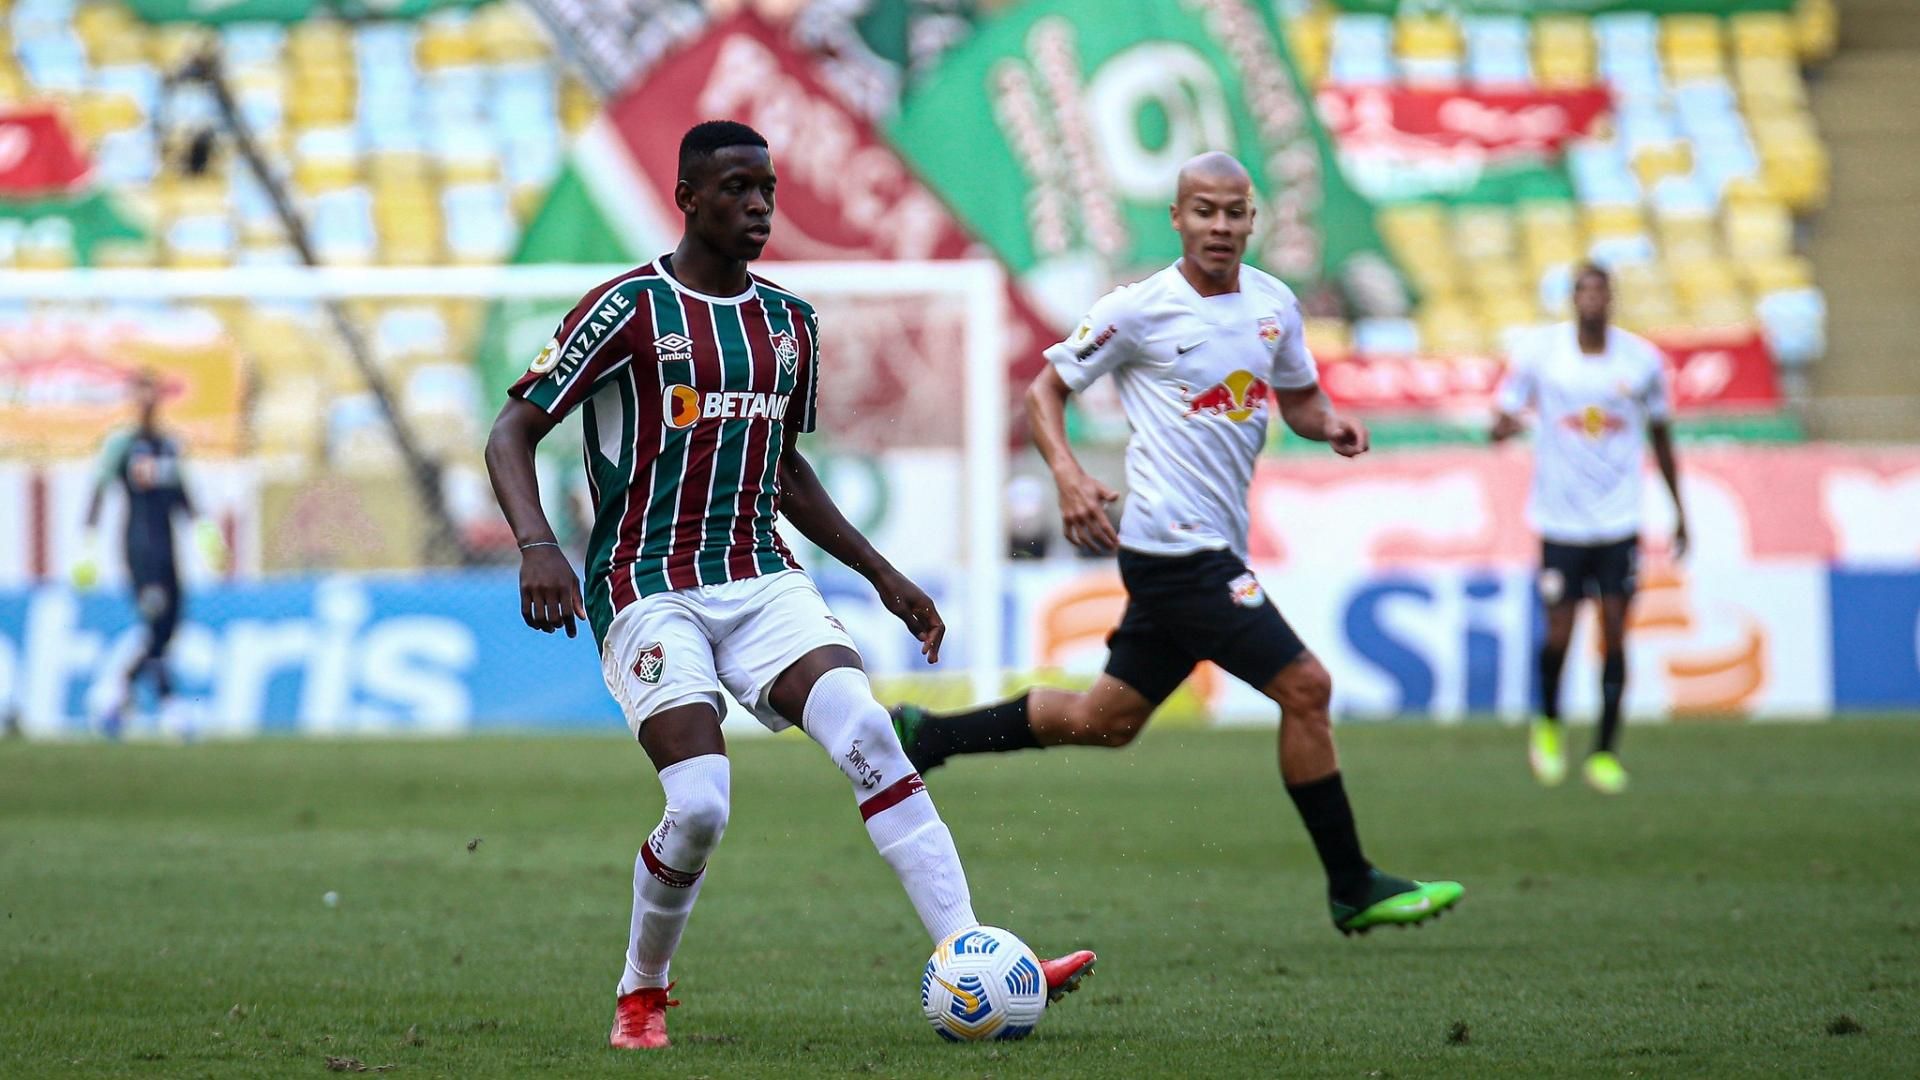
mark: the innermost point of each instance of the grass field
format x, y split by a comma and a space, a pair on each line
1749, 909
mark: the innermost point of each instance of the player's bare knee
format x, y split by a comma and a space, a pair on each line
1097, 726
1304, 690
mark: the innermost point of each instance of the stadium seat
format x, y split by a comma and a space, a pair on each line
1309, 37
1563, 51
1816, 29
1794, 322
1427, 49
1758, 230
1497, 55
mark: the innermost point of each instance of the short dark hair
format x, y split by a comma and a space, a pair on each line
1596, 270
705, 139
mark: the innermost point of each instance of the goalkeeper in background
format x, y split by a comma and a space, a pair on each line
145, 462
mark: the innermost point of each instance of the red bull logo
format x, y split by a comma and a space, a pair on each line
1237, 397
1593, 422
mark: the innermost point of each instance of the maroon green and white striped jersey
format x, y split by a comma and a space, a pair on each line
688, 400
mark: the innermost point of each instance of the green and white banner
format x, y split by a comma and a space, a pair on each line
1057, 130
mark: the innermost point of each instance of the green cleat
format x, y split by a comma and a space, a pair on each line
1604, 773
906, 724
1395, 901
1545, 754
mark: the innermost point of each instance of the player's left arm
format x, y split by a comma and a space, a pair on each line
1659, 406
1305, 407
805, 502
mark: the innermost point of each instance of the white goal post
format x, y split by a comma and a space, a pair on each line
979, 284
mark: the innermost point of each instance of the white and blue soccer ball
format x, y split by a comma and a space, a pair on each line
983, 983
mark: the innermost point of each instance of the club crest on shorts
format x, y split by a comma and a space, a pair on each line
652, 663
1553, 586
1246, 590
786, 349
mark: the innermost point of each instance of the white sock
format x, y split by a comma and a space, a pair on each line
843, 718
672, 863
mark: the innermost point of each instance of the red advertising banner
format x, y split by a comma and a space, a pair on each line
1533, 122
38, 156
1724, 370
844, 195
1832, 503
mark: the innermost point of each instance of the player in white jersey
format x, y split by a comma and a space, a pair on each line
1599, 393
1196, 351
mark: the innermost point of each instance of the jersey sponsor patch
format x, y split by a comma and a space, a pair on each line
683, 406
548, 359
1237, 397
1086, 342
652, 663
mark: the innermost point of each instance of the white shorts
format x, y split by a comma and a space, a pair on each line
681, 647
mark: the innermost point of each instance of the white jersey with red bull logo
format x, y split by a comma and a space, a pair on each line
1592, 414
1194, 375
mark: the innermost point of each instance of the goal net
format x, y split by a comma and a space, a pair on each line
335, 419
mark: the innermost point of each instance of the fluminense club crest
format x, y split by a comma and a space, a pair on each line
652, 663
786, 348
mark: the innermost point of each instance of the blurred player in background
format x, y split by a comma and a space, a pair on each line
1196, 349
698, 377
145, 462
1600, 394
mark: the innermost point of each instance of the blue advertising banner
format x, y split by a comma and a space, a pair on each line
1876, 638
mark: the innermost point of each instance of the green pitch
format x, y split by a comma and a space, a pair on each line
1748, 908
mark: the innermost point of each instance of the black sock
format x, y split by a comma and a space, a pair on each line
1613, 683
1552, 660
1329, 818
981, 731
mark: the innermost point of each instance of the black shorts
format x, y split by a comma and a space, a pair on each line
1182, 609
1573, 571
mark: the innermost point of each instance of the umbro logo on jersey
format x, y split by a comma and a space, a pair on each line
673, 348
682, 406
786, 349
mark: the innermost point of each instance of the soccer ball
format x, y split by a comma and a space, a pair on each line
983, 983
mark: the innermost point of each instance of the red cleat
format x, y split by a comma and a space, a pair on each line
640, 1019
1065, 972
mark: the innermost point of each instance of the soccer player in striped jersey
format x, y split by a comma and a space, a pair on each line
696, 377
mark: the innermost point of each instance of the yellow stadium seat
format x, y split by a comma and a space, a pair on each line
1689, 35
470, 170
1720, 309
1550, 235
1656, 162
1758, 230
445, 44
1688, 238
1483, 232
171, 44
578, 106
1427, 37
1770, 84
1450, 329
1496, 282
1329, 338
1563, 50
1500, 314
95, 115
313, 175
1308, 38
1776, 273
1798, 173
506, 34
1762, 33
1614, 223
1816, 29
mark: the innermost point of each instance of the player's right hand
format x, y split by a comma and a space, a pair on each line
549, 593
86, 573
1083, 513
